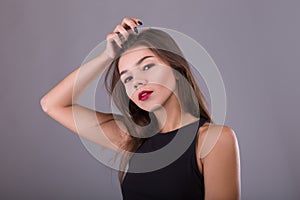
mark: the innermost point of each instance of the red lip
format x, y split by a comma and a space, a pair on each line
143, 95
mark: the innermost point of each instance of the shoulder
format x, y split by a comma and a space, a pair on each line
215, 137
219, 155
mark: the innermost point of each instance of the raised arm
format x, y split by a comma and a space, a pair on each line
60, 102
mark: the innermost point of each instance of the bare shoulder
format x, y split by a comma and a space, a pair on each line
212, 134
220, 161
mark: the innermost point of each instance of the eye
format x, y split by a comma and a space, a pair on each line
126, 80
146, 67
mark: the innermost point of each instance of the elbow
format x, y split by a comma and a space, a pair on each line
43, 104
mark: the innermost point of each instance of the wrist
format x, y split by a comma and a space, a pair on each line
107, 55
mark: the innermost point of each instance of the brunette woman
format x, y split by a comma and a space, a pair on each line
151, 84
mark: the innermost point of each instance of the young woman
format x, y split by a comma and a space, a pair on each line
152, 85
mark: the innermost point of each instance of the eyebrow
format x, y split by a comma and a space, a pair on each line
138, 62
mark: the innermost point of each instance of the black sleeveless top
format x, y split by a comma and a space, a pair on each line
181, 179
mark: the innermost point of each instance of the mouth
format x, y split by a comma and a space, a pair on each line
145, 94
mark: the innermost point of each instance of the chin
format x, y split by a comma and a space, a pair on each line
153, 108
149, 108
153, 104
150, 105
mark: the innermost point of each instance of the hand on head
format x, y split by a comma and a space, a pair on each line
120, 34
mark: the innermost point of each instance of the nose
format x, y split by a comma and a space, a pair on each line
138, 83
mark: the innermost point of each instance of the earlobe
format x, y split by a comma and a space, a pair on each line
176, 75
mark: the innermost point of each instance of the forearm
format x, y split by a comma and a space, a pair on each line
66, 92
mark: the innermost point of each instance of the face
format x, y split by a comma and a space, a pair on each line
149, 81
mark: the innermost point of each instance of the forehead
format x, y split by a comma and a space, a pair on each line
129, 59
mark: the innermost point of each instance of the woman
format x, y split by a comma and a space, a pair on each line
153, 87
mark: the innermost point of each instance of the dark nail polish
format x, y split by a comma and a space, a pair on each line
140, 23
135, 29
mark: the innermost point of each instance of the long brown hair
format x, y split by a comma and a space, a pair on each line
135, 118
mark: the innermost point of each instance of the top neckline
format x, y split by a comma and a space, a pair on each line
175, 130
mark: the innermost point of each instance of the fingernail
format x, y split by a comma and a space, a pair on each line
140, 23
135, 29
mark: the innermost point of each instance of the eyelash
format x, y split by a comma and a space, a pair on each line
130, 77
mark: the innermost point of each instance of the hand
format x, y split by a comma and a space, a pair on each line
115, 39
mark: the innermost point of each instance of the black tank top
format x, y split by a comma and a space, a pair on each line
179, 180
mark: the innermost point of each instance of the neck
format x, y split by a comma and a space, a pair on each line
171, 116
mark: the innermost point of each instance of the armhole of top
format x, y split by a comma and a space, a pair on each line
210, 139
125, 172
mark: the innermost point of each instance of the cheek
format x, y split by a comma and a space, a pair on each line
164, 78
129, 90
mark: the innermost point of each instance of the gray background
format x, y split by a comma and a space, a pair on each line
255, 44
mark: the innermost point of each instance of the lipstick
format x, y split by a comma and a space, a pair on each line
143, 95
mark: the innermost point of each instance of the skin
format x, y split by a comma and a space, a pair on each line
220, 163
153, 74
217, 147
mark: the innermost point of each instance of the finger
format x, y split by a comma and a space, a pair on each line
137, 21
129, 22
109, 37
118, 30
121, 31
123, 34
113, 38
117, 39
127, 27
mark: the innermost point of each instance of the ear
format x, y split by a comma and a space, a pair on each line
175, 73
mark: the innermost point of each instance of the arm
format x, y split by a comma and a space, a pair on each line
59, 102
61, 95
221, 167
